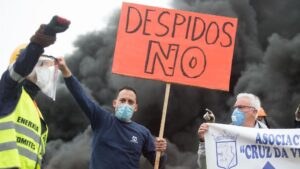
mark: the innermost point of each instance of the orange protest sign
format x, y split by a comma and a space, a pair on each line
175, 46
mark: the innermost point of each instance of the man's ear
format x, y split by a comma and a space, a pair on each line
136, 108
114, 103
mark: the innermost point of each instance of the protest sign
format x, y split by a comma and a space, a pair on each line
175, 46
235, 147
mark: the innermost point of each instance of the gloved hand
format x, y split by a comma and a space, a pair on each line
46, 34
57, 25
209, 116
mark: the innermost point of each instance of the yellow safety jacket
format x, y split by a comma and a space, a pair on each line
22, 143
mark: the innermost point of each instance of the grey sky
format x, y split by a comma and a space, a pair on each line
19, 20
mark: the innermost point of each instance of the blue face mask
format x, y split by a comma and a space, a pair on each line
237, 117
124, 112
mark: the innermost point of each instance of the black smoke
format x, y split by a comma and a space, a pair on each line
266, 62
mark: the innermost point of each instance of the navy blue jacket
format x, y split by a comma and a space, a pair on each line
297, 124
116, 144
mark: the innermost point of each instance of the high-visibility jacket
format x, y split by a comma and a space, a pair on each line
22, 140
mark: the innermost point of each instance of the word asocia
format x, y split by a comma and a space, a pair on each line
277, 139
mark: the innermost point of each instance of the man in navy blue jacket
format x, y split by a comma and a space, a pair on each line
118, 142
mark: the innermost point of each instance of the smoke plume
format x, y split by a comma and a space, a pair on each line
266, 62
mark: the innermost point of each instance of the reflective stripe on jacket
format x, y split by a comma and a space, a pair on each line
22, 143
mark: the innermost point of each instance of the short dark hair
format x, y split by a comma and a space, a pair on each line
127, 88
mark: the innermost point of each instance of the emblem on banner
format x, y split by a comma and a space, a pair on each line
269, 166
226, 151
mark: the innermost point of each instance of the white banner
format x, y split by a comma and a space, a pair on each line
229, 146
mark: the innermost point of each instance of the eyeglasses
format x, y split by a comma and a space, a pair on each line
244, 107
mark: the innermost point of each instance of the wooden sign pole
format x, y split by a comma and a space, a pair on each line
162, 123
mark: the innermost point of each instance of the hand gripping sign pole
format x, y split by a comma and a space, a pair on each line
162, 123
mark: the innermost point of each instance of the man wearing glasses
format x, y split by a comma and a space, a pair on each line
244, 114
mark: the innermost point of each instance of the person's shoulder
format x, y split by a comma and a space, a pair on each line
136, 124
140, 127
297, 123
261, 125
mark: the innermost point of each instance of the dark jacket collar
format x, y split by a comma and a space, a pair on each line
31, 88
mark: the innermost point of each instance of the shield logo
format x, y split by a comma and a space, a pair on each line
226, 154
